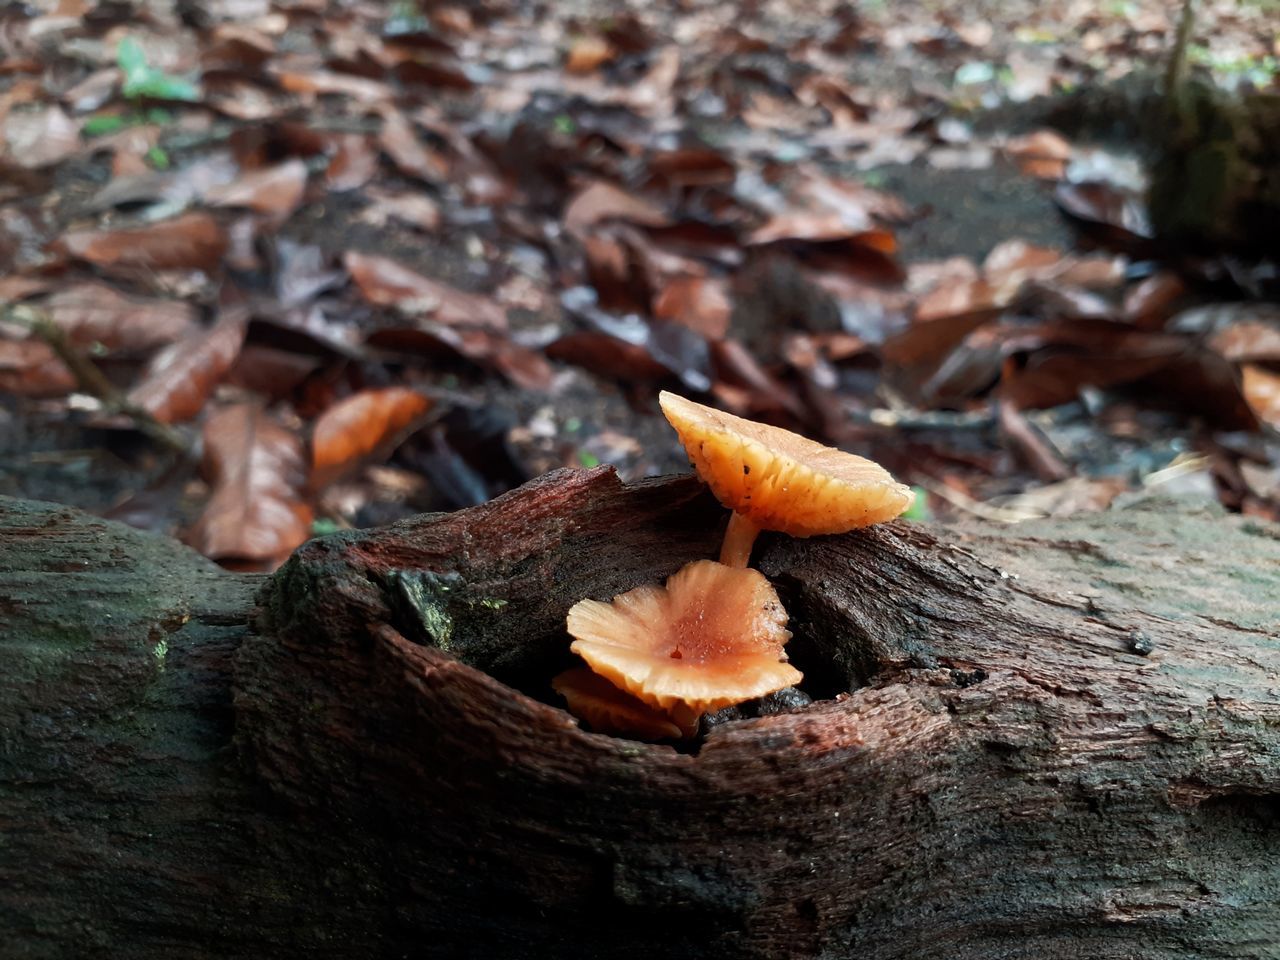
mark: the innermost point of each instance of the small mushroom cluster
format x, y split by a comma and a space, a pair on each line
659, 657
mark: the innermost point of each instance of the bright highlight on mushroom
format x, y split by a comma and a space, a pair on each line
714, 635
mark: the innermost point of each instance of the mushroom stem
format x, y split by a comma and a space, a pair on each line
738, 540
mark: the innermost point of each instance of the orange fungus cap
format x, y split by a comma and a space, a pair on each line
712, 637
780, 480
606, 709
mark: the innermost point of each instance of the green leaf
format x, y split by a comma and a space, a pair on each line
321, 526
919, 509
160, 86
99, 126
975, 72
130, 58
158, 157
143, 80
588, 459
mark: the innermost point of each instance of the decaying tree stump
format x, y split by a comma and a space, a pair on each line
1060, 739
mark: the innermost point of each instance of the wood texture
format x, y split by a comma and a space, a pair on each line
1059, 739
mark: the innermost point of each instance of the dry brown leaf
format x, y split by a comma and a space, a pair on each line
588, 53
700, 303
1248, 340
1153, 301
96, 314
353, 164
274, 190
40, 138
600, 201
180, 380
257, 514
320, 82
270, 371
1261, 388
820, 226
523, 367
30, 368
354, 428
412, 158
416, 210
1043, 154
693, 167
386, 283
16, 288
855, 201
194, 241
608, 357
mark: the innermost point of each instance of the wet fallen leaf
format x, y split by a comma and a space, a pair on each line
354, 428
194, 241
386, 283
272, 190
180, 380
257, 514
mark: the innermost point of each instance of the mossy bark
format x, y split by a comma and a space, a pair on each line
1060, 739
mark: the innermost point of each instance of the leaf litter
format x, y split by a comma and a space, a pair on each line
430, 252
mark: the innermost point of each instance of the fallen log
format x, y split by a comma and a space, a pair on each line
1060, 739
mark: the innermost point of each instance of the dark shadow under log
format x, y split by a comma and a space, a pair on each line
1060, 739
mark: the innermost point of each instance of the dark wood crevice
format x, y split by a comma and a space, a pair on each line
992, 770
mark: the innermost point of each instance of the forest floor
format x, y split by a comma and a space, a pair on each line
272, 268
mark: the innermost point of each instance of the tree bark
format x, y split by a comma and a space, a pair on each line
1060, 739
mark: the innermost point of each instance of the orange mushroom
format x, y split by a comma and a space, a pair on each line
711, 637
606, 709
773, 479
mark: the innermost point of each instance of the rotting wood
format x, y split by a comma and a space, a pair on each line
1060, 739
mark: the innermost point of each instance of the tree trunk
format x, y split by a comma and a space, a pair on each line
1060, 739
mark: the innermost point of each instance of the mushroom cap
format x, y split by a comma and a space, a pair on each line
606, 709
710, 638
778, 479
